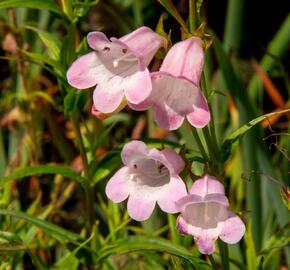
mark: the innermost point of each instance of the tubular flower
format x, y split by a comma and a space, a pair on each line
176, 93
149, 176
118, 67
206, 216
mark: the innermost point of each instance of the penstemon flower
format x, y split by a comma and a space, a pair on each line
206, 216
118, 67
176, 93
149, 176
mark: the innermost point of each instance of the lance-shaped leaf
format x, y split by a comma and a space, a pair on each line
49, 5
140, 243
43, 169
53, 230
52, 43
236, 135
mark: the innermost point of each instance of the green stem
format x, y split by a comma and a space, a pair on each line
224, 254
89, 193
199, 144
150, 122
81, 145
212, 148
213, 263
192, 15
212, 122
210, 137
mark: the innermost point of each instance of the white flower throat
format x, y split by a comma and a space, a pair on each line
151, 172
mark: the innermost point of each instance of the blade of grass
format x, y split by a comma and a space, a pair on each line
233, 25
278, 46
43, 4
246, 112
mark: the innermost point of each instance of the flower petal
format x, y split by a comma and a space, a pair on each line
186, 200
200, 116
139, 208
186, 59
83, 72
107, 98
205, 245
118, 187
142, 106
217, 198
167, 118
204, 238
174, 160
207, 185
144, 42
137, 86
175, 97
232, 229
132, 151
176, 189
181, 225
97, 40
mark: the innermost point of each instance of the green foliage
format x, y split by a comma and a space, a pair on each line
49, 5
56, 158
43, 169
149, 243
239, 133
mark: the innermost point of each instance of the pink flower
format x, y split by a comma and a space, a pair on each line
206, 216
149, 176
176, 93
118, 67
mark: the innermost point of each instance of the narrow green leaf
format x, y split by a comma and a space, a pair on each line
234, 25
44, 59
277, 47
49, 5
53, 230
168, 5
67, 8
52, 43
10, 249
43, 169
141, 243
236, 135
10, 243
10, 237
250, 251
233, 83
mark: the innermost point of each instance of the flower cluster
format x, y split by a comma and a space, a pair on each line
118, 69
151, 176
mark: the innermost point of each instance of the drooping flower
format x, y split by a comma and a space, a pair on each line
149, 176
206, 216
176, 93
118, 67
